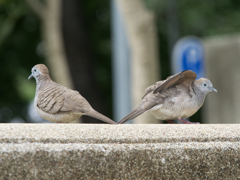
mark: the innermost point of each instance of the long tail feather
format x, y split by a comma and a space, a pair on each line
132, 115
99, 116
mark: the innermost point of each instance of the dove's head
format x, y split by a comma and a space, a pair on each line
38, 71
204, 85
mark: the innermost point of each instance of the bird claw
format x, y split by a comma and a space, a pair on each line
187, 122
171, 121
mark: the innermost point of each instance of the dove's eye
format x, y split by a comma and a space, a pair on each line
205, 85
34, 70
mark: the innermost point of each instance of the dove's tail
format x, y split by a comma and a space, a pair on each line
132, 115
99, 116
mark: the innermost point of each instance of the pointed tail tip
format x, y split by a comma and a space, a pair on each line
122, 121
101, 117
135, 113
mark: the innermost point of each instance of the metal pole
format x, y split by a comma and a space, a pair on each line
120, 65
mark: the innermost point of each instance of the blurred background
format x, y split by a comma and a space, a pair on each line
111, 50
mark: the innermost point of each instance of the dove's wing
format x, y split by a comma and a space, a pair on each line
152, 87
50, 99
186, 78
55, 98
74, 102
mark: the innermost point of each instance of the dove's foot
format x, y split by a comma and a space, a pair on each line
188, 122
171, 121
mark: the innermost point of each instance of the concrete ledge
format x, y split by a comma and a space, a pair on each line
81, 151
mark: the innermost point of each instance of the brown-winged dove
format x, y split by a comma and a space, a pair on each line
57, 103
177, 97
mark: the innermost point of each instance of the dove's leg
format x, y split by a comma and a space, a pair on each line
171, 121
187, 122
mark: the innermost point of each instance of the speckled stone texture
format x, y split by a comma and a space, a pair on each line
81, 151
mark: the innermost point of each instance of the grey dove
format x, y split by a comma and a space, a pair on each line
177, 97
57, 103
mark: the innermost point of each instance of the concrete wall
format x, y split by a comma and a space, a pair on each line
223, 69
81, 151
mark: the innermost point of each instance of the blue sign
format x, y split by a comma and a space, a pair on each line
188, 54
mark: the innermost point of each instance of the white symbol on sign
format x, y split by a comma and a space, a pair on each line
192, 56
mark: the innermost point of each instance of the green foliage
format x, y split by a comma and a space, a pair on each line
11, 11
19, 38
204, 18
201, 18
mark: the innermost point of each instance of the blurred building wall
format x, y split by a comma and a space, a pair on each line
223, 69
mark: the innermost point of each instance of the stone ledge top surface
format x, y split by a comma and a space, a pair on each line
120, 134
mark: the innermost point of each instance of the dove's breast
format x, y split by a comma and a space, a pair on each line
177, 107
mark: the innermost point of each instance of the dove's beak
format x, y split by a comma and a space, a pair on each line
211, 88
30, 76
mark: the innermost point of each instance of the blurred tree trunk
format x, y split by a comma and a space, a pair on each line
50, 15
142, 36
80, 59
